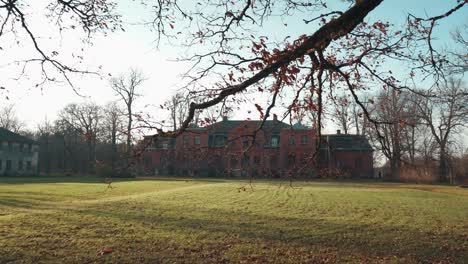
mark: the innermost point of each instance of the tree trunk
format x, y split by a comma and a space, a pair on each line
395, 169
129, 133
113, 145
443, 165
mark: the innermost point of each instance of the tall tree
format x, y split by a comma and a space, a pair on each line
125, 86
342, 114
444, 113
44, 132
339, 47
112, 122
387, 137
9, 119
177, 106
84, 118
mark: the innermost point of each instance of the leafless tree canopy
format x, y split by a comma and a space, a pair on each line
125, 87
9, 119
87, 17
339, 53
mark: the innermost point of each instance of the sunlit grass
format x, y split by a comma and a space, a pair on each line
70, 220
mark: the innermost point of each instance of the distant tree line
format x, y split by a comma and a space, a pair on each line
419, 133
86, 137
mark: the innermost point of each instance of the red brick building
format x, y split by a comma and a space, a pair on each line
228, 148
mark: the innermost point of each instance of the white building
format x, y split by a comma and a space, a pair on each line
18, 154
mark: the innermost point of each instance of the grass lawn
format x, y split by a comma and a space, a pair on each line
70, 220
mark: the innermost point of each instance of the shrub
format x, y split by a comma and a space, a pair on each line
104, 171
123, 174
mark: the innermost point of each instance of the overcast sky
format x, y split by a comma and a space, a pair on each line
135, 47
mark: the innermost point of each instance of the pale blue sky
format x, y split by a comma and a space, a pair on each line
135, 47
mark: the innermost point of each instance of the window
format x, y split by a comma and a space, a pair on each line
10, 146
219, 140
146, 160
274, 141
165, 145
291, 160
304, 140
256, 160
233, 162
186, 140
20, 165
8, 165
339, 164
358, 163
28, 165
196, 140
30, 148
1, 164
21, 147
292, 140
273, 161
1, 145
245, 160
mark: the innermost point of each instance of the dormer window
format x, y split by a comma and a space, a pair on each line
186, 140
196, 140
274, 142
219, 140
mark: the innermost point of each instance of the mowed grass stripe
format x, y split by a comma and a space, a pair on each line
213, 221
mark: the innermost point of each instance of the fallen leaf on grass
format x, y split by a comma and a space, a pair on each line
106, 250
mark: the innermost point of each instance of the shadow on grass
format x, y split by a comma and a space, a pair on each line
95, 179
288, 233
30, 200
59, 179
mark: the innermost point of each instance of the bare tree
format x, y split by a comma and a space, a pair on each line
177, 106
459, 63
44, 133
389, 111
82, 17
232, 60
444, 114
342, 114
9, 120
113, 125
125, 86
84, 118
307, 64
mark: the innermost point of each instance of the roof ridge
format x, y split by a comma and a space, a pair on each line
9, 135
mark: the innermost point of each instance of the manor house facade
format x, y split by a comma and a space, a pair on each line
240, 148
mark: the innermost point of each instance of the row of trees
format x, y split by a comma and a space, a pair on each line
342, 46
415, 129
421, 129
86, 135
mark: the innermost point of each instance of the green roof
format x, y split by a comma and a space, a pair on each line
299, 126
7, 135
346, 142
226, 126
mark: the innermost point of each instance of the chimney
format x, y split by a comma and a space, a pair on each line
338, 132
275, 117
225, 118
